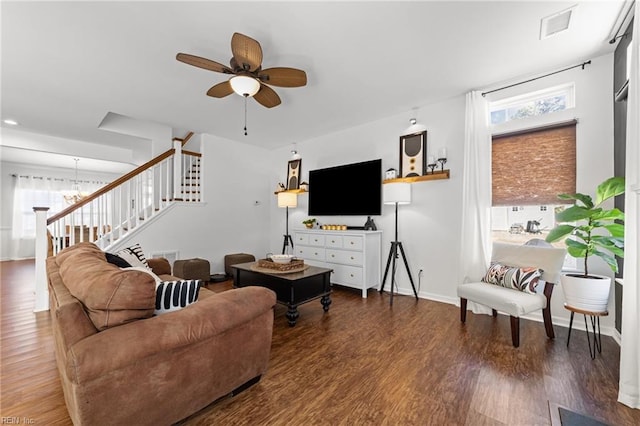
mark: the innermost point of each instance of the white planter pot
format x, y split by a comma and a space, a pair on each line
587, 294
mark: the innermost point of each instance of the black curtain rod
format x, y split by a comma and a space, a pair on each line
538, 78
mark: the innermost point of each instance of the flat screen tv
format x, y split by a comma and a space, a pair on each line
348, 190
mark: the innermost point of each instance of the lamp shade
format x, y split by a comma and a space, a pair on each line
399, 192
244, 86
287, 199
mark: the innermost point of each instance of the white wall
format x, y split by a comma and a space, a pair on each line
429, 227
235, 177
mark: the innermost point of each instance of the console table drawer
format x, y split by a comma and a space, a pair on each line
316, 240
354, 255
345, 257
334, 241
312, 253
302, 239
348, 275
352, 242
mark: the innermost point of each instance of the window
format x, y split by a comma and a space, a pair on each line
531, 166
531, 104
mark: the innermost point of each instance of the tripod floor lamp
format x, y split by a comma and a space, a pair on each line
286, 200
396, 193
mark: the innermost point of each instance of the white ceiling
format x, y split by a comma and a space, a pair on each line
66, 65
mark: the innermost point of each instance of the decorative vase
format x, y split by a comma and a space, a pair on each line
588, 294
309, 225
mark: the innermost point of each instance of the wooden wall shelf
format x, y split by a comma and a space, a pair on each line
435, 176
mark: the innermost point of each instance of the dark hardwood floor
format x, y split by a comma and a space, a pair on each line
361, 363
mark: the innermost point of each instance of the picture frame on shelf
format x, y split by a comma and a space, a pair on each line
413, 154
294, 174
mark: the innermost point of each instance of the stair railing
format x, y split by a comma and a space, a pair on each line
115, 210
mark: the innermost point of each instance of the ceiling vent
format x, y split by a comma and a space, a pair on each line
556, 23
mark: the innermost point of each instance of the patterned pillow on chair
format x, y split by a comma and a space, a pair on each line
519, 278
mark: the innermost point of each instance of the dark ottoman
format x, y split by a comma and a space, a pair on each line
234, 259
192, 269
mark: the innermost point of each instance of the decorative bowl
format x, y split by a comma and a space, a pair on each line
282, 258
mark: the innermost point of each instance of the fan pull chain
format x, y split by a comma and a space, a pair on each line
245, 114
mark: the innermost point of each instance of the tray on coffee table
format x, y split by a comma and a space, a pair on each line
267, 265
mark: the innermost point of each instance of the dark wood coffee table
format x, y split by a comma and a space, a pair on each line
292, 289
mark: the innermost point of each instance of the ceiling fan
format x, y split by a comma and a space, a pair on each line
249, 79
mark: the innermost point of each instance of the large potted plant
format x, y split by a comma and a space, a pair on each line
590, 230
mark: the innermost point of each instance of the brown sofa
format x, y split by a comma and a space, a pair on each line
119, 364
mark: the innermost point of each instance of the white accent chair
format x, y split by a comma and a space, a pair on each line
513, 302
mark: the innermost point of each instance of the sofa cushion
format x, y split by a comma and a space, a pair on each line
144, 270
134, 256
175, 295
110, 295
523, 278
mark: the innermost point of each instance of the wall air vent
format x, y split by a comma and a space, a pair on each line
556, 23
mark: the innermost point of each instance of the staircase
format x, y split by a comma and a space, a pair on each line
119, 209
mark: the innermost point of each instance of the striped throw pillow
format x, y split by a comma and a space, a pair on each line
175, 295
134, 256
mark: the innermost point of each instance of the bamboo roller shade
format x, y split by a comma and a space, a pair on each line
533, 167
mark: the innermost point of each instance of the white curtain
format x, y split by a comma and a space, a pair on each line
29, 192
37, 191
629, 390
475, 249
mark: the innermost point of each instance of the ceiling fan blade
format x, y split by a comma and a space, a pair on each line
220, 90
246, 52
204, 63
267, 97
284, 77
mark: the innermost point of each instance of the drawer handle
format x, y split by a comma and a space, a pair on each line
351, 275
316, 240
351, 243
316, 253
351, 257
333, 255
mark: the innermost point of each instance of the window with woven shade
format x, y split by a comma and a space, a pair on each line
531, 167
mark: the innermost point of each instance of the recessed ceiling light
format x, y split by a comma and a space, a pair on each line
10, 122
556, 23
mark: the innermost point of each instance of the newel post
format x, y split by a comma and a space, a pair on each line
177, 170
42, 246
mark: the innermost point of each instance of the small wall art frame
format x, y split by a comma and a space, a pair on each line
293, 174
413, 154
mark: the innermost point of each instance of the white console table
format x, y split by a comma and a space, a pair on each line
354, 256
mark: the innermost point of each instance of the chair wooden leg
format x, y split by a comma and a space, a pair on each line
548, 325
494, 313
546, 312
463, 309
515, 331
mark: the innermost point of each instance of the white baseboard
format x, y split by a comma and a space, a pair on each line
535, 316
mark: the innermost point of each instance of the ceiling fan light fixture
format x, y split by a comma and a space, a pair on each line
244, 85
